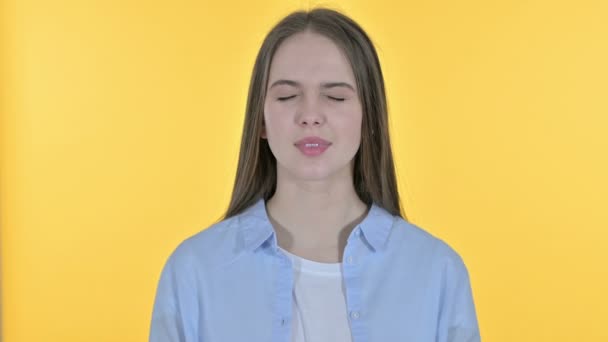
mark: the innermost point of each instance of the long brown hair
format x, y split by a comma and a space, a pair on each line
374, 171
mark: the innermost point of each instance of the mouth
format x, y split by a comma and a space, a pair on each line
312, 149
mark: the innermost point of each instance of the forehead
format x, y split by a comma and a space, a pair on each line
310, 58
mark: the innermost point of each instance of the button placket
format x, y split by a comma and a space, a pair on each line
354, 259
283, 304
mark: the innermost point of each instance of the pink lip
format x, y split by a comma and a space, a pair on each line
312, 150
313, 140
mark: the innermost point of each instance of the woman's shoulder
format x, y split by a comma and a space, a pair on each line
208, 246
412, 238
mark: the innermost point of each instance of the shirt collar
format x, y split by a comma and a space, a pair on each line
257, 229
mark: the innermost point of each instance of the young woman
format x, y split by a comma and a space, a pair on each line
313, 246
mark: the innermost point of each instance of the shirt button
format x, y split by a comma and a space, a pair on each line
354, 314
349, 259
357, 232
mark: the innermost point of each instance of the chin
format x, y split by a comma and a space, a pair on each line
315, 172
311, 175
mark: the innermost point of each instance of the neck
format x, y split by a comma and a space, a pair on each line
314, 214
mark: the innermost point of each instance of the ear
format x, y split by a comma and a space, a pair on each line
263, 132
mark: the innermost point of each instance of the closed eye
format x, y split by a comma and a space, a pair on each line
292, 96
285, 98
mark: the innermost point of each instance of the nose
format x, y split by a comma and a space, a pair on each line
310, 112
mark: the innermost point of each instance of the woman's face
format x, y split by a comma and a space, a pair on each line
312, 93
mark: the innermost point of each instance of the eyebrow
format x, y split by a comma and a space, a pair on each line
325, 85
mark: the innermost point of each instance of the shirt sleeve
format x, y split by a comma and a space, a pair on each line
457, 317
175, 310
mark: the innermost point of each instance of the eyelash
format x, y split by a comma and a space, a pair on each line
290, 97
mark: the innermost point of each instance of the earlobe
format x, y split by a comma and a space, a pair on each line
263, 132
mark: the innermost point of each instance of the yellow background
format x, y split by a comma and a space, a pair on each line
121, 122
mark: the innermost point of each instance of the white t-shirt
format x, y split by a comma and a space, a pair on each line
319, 302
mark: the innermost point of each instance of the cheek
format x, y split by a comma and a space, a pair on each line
355, 133
275, 121
352, 125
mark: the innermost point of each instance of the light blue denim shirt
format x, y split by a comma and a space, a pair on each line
231, 283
